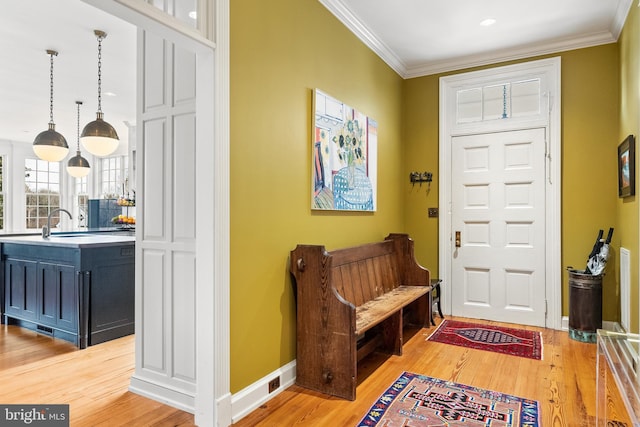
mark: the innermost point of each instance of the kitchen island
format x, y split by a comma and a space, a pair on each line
78, 287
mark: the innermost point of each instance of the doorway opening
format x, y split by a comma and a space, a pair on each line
502, 100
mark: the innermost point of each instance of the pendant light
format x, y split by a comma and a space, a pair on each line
78, 166
99, 137
49, 145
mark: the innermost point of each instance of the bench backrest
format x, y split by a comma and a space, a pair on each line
362, 273
358, 274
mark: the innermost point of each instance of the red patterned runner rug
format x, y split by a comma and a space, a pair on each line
516, 342
418, 400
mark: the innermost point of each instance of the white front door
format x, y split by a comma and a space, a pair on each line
498, 212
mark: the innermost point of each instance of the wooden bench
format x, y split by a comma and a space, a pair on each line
351, 302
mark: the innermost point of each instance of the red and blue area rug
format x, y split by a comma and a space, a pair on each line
516, 342
418, 400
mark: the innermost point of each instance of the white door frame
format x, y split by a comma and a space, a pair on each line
549, 71
213, 397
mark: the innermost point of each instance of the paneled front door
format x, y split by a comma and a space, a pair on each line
498, 226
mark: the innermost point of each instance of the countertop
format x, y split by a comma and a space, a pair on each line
71, 240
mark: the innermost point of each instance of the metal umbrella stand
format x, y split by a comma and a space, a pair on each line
585, 292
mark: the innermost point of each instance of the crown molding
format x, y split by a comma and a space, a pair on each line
509, 55
620, 18
357, 27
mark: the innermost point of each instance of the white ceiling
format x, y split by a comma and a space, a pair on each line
415, 37
422, 37
27, 29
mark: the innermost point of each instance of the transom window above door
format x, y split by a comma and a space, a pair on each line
499, 101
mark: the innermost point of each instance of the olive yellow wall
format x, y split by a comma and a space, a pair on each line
590, 94
280, 51
590, 117
420, 135
627, 208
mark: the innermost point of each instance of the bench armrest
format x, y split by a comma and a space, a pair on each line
411, 272
326, 328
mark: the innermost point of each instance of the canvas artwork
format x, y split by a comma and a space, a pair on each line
627, 167
344, 157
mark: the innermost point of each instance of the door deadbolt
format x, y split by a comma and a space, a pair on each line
457, 239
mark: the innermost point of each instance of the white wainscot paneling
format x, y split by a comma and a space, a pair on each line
154, 72
154, 182
184, 76
184, 158
184, 317
153, 310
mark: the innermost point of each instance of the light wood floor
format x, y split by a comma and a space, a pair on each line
563, 382
35, 369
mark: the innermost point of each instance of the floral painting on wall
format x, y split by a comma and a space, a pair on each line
344, 157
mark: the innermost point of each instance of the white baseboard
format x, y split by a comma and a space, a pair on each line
162, 393
224, 415
251, 397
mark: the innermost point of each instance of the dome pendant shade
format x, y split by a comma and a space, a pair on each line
99, 137
50, 145
78, 166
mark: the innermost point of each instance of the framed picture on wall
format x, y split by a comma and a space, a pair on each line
344, 159
627, 167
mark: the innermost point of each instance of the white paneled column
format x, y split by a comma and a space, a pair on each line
167, 258
165, 245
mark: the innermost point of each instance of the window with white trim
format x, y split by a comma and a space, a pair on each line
82, 202
42, 192
114, 175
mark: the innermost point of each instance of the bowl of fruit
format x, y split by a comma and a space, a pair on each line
123, 219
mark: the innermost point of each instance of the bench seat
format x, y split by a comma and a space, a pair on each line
375, 311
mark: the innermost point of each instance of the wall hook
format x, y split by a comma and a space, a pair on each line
420, 177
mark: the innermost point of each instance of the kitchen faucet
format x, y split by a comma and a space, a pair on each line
46, 230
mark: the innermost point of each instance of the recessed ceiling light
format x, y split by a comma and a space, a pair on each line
109, 94
487, 22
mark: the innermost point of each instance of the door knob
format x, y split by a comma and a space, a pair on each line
457, 239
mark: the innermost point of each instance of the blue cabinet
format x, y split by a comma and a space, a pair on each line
81, 292
20, 287
56, 292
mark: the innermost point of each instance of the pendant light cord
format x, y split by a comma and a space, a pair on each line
51, 53
100, 74
78, 103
